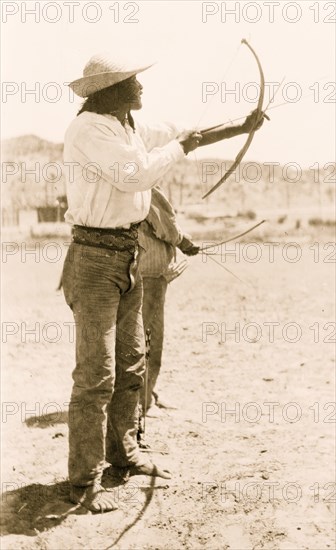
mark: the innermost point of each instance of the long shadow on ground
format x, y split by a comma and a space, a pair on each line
34, 508
47, 420
31, 509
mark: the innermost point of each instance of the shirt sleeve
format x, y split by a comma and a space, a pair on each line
127, 167
158, 135
162, 219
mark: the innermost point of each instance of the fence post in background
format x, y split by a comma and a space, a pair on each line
242, 196
181, 193
288, 197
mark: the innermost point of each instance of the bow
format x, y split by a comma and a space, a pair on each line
204, 248
259, 110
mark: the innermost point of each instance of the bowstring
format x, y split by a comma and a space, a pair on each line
225, 72
223, 76
274, 94
230, 121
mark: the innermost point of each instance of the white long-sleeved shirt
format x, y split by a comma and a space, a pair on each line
111, 169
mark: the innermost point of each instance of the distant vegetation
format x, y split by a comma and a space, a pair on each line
33, 176
32, 172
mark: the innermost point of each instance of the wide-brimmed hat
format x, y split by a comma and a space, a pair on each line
102, 71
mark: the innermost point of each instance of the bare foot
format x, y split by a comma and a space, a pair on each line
154, 412
162, 404
95, 498
149, 469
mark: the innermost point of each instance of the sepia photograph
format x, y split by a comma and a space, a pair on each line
168, 275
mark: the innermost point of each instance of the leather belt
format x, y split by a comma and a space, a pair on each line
118, 238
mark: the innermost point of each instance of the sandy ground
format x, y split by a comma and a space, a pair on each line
251, 442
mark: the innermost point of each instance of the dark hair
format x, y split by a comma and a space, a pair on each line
100, 102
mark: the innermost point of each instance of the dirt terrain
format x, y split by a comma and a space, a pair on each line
249, 364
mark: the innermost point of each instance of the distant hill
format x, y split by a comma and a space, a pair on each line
30, 144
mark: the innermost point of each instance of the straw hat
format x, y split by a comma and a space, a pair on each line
102, 71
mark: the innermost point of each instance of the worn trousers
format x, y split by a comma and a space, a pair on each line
154, 294
103, 410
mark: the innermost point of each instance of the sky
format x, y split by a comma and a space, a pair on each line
199, 61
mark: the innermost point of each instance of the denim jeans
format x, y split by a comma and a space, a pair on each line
103, 411
154, 294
